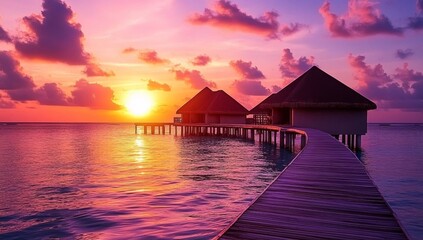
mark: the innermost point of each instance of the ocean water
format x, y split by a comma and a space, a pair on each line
98, 181
393, 156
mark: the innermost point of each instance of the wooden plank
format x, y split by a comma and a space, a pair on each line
325, 193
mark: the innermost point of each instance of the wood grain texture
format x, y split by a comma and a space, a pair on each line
325, 193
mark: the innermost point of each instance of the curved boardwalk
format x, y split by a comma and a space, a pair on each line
325, 193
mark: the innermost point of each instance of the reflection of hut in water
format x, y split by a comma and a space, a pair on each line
213, 107
318, 100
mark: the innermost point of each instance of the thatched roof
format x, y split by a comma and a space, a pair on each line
212, 102
316, 89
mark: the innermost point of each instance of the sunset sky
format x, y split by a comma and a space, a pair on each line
77, 60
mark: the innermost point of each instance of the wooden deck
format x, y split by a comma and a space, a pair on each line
325, 193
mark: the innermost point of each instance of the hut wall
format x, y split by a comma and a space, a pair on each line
212, 118
193, 118
332, 121
233, 119
281, 116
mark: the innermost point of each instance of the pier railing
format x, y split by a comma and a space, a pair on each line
271, 134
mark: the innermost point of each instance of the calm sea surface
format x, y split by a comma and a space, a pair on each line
393, 155
97, 181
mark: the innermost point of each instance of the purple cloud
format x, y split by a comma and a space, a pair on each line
193, 78
404, 53
416, 23
93, 70
246, 70
407, 76
93, 95
201, 60
228, 16
151, 57
12, 76
4, 36
56, 37
251, 87
153, 85
403, 90
362, 19
292, 68
51, 94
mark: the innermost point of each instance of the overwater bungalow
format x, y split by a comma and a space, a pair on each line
317, 100
209, 106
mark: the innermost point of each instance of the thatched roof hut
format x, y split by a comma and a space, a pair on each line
316, 99
209, 106
317, 89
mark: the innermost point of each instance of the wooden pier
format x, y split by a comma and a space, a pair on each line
325, 193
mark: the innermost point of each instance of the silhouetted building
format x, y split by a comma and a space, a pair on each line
213, 107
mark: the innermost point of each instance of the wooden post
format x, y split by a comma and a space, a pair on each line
358, 142
281, 139
145, 129
303, 141
136, 129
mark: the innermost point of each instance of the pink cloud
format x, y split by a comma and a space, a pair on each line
4, 36
153, 85
93, 95
93, 70
246, 70
250, 87
193, 78
151, 57
403, 90
56, 37
6, 103
201, 60
276, 88
292, 68
129, 50
228, 16
362, 19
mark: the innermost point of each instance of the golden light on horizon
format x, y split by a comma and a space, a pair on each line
139, 103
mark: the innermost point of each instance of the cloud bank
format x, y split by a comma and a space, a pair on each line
404, 53
153, 85
201, 60
56, 37
249, 85
362, 19
4, 36
192, 77
402, 90
21, 88
151, 57
246, 70
228, 16
93, 70
292, 68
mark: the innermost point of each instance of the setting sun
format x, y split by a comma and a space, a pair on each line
139, 103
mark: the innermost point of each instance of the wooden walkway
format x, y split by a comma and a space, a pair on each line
325, 193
